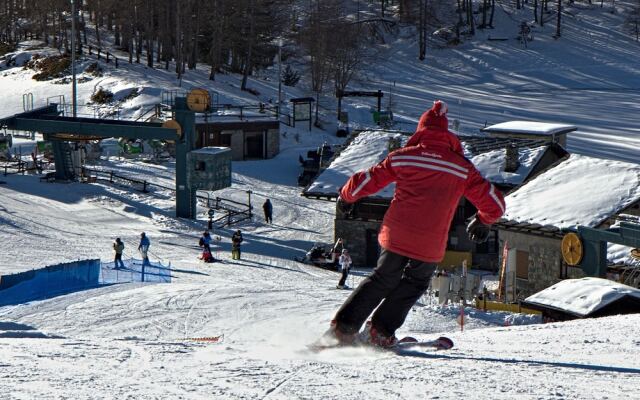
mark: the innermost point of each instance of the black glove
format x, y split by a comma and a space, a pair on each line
478, 232
343, 206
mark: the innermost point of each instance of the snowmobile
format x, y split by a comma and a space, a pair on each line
320, 257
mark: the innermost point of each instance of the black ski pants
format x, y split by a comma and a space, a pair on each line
397, 282
117, 260
343, 278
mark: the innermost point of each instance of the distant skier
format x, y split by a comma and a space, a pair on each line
431, 175
118, 247
268, 211
205, 241
143, 248
345, 265
236, 241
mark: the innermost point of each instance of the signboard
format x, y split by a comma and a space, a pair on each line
302, 113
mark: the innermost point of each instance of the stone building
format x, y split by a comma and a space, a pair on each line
506, 162
580, 191
252, 139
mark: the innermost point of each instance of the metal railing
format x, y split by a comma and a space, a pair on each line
233, 211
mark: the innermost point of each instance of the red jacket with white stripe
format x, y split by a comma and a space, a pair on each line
431, 175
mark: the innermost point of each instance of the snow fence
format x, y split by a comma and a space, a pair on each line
74, 276
49, 281
135, 271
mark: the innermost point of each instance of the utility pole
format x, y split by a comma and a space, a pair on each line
74, 91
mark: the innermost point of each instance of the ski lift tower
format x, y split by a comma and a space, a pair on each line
191, 171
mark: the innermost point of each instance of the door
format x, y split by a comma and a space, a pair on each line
373, 248
254, 145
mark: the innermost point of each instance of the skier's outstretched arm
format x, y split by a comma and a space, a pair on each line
365, 183
485, 197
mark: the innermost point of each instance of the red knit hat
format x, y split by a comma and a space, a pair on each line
436, 117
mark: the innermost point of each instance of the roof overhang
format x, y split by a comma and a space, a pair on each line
527, 129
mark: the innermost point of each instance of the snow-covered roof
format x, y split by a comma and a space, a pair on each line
579, 191
582, 297
621, 254
491, 164
211, 150
366, 150
529, 128
371, 147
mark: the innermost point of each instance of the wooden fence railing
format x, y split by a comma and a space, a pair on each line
232, 211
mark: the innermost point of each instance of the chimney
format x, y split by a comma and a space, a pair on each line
511, 162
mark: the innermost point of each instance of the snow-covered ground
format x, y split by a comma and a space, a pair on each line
131, 340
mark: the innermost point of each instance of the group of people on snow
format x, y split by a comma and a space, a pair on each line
205, 243
143, 248
236, 238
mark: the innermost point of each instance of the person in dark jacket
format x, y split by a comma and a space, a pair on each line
205, 241
236, 240
143, 248
118, 247
431, 175
268, 211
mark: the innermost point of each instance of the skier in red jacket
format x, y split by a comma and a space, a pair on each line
431, 175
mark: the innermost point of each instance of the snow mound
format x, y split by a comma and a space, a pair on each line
582, 296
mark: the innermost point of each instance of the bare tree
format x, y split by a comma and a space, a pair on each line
347, 55
422, 29
559, 21
632, 21
315, 38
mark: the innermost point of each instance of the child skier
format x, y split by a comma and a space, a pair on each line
345, 265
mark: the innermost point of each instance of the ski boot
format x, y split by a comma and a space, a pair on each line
334, 337
374, 338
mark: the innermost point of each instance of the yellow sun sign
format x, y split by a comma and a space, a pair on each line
572, 250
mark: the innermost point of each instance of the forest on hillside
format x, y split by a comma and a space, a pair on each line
335, 37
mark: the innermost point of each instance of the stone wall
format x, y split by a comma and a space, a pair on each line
237, 145
354, 236
545, 261
273, 143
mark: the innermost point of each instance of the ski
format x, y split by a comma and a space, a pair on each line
206, 339
441, 343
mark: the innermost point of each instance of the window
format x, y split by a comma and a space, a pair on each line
200, 166
491, 246
564, 270
225, 139
522, 264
